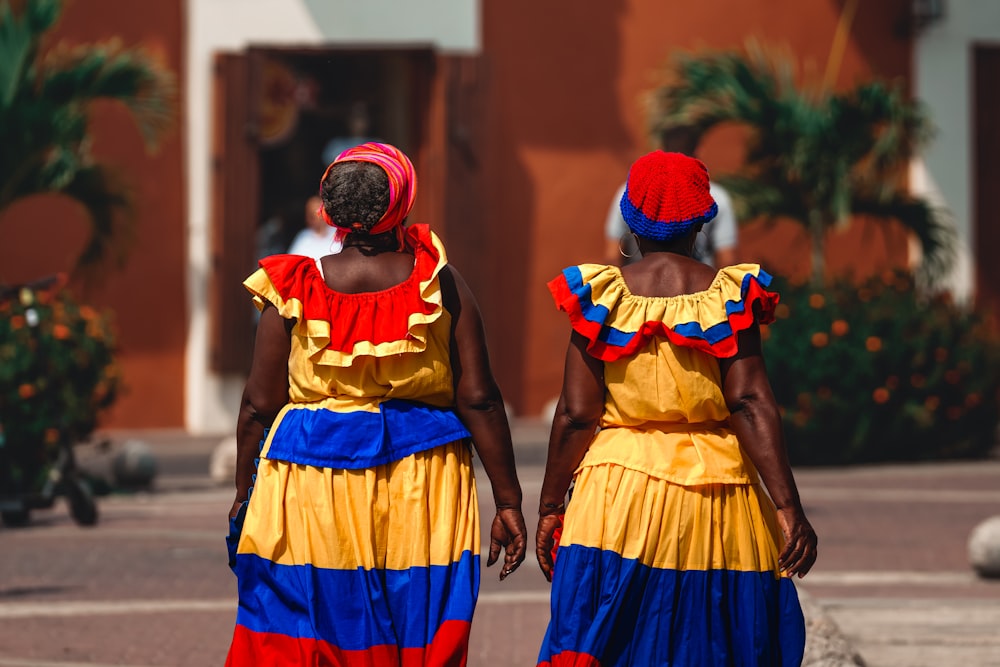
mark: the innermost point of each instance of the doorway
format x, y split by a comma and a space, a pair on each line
281, 115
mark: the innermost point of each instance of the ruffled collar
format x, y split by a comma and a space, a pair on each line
618, 323
337, 327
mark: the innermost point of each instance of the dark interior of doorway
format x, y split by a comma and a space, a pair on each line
310, 106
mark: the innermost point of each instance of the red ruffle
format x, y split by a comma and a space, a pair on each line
372, 317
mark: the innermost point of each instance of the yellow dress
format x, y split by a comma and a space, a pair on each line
668, 554
360, 543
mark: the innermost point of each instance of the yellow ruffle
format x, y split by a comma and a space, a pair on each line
663, 525
682, 453
628, 312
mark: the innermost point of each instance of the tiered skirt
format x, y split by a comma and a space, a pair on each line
653, 573
373, 567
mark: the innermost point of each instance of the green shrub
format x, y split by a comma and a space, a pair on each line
57, 373
875, 373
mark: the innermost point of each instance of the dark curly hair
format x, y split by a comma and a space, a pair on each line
355, 192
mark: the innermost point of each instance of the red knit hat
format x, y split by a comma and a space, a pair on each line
666, 195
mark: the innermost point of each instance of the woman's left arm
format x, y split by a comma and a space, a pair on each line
574, 424
265, 393
480, 406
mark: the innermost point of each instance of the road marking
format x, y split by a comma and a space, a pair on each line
12, 610
810, 493
21, 662
876, 578
111, 607
514, 597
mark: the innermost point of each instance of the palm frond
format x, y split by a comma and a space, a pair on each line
99, 190
933, 226
881, 131
81, 75
19, 38
812, 156
753, 199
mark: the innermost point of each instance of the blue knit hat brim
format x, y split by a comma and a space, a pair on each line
657, 230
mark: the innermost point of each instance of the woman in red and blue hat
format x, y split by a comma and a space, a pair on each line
669, 551
355, 529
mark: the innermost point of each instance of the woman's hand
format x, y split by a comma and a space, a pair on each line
546, 542
508, 532
799, 553
237, 504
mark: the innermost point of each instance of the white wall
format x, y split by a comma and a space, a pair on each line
212, 401
943, 73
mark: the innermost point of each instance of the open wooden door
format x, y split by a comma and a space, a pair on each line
234, 214
986, 143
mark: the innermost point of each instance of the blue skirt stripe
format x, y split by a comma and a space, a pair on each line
372, 607
625, 613
355, 440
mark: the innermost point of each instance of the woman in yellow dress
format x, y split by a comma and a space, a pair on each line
355, 529
669, 552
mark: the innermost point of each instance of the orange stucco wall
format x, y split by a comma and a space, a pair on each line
565, 119
41, 235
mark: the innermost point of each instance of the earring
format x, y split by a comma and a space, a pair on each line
635, 243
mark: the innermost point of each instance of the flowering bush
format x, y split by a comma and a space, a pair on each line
56, 375
876, 373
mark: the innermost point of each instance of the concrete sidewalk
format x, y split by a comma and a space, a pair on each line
892, 587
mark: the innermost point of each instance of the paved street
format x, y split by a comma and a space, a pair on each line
148, 586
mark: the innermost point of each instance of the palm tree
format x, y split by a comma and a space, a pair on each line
813, 156
44, 110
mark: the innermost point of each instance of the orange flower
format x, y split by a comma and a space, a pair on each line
804, 400
820, 339
61, 331
26, 391
17, 321
932, 403
972, 400
840, 327
880, 395
952, 376
88, 313
873, 344
781, 311
824, 392
864, 295
917, 380
817, 301
892, 382
954, 413
51, 436
765, 332
940, 355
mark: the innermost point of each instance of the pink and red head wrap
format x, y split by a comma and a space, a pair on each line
666, 195
402, 185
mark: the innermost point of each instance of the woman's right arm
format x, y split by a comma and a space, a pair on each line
757, 424
265, 393
574, 424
